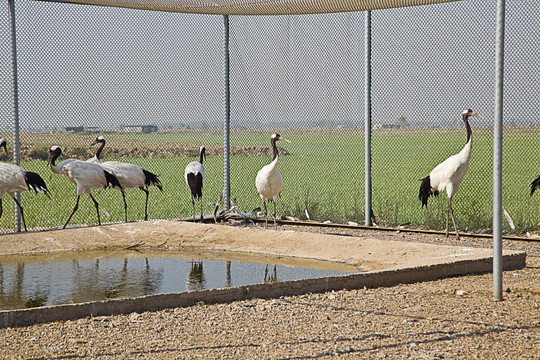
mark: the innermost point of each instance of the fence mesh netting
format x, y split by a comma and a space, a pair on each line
152, 83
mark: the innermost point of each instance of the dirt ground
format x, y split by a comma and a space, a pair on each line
444, 319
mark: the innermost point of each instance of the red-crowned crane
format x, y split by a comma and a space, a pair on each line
269, 181
85, 175
194, 175
448, 174
14, 179
129, 175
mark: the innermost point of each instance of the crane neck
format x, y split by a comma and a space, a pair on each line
98, 151
469, 132
52, 160
201, 156
275, 149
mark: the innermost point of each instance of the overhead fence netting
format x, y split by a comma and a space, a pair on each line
254, 7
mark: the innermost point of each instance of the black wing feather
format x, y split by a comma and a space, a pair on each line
195, 183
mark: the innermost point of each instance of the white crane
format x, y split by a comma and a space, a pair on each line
269, 181
14, 179
194, 175
129, 176
85, 175
448, 174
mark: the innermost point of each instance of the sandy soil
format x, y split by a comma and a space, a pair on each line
449, 318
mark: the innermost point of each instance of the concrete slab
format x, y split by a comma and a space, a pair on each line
383, 262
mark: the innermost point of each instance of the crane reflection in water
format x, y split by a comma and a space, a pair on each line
270, 278
19, 295
195, 278
68, 280
23, 285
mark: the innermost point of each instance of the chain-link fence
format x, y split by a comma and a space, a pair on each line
152, 83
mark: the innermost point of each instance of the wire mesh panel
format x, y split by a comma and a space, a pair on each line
300, 77
150, 82
429, 64
521, 120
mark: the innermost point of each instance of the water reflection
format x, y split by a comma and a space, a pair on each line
16, 293
195, 279
270, 278
45, 281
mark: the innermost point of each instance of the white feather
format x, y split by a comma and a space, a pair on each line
510, 222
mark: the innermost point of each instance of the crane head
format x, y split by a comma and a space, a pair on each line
3, 143
469, 112
202, 152
277, 137
55, 150
99, 139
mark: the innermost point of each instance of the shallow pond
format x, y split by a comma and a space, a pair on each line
74, 277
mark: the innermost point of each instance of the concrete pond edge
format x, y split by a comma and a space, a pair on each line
372, 279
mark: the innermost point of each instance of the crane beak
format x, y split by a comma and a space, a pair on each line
283, 139
475, 114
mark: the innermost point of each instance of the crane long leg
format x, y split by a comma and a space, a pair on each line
202, 216
193, 203
125, 205
145, 204
265, 215
275, 224
22, 213
447, 211
73, 212
451, 211
1, 207
97, 208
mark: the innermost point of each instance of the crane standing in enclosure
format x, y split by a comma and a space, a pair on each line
448, 174
14, 179
129, 176
269, 181
194, 175
85, 175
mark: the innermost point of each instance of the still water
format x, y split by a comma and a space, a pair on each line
30, 281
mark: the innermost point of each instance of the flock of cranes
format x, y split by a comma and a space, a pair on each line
93, 174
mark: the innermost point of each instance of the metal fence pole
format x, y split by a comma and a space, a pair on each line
367, 119
227, 123
16, 148
497, 154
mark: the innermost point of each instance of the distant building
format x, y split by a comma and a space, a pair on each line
146, 129
386, 126
81, 129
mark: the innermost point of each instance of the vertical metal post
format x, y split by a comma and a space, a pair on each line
16, 148
367, 118
227, 123
497, 154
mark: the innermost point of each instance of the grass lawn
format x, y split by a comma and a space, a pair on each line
323, 172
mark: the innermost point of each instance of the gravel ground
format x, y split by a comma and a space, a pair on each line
445, 319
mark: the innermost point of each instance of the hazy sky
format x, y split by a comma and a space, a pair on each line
93, 66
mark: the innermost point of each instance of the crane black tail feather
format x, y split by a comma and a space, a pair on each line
36, 183
535, 185
151, 179
195, 183
112, 181
426, 191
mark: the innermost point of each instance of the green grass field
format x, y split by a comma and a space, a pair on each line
324, 172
